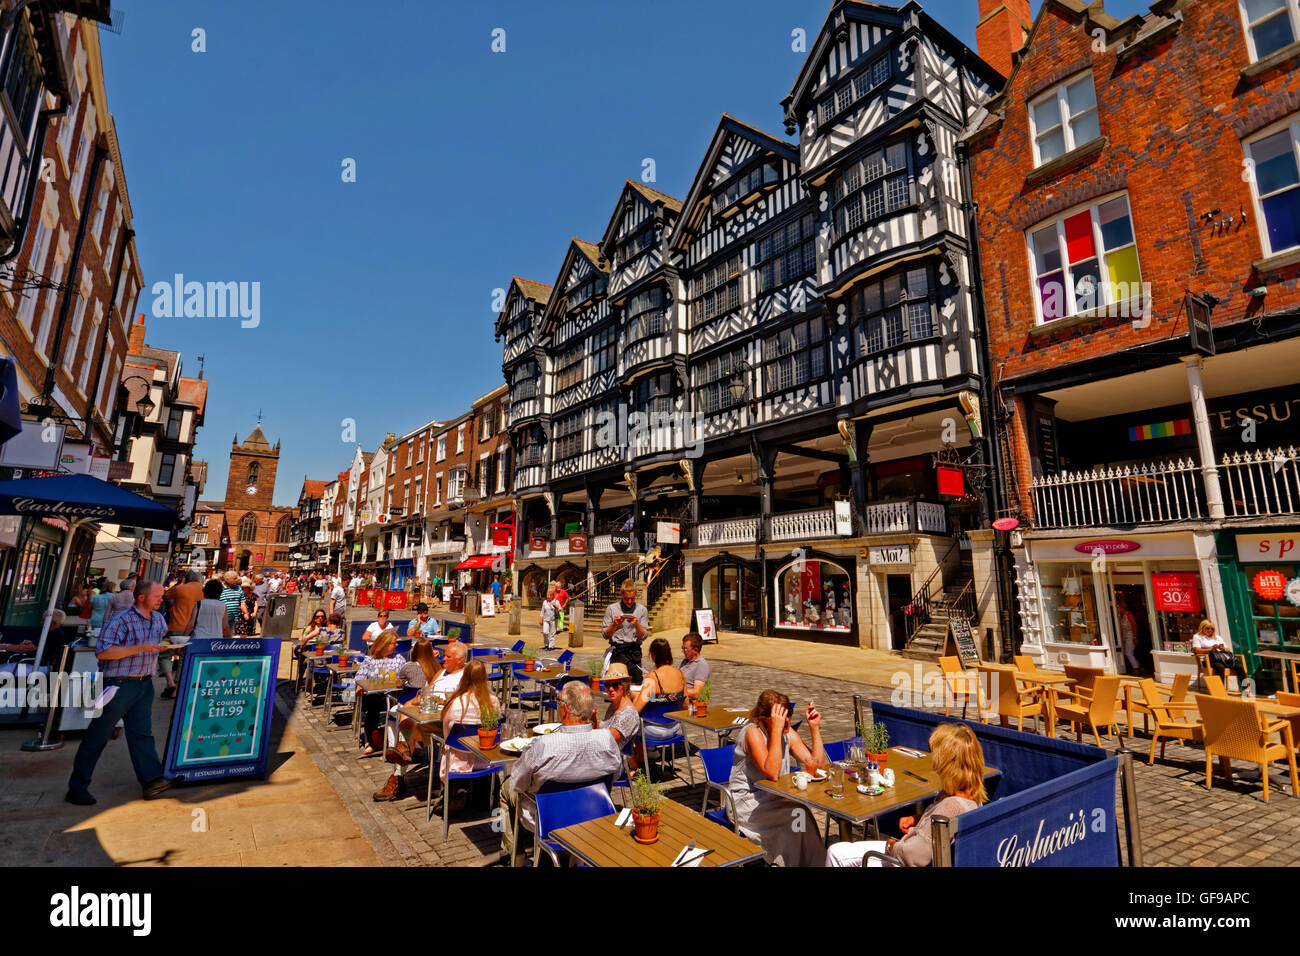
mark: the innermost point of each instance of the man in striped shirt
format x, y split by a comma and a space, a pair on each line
127, 649
232, 595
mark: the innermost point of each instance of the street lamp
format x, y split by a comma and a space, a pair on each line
739, 384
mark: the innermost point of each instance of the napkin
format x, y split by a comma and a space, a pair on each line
624, 818
735, 710
690, 857
739, 720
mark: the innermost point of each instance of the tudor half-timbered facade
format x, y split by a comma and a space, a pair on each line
779, 359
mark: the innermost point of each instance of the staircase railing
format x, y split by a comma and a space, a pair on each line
667, 574
921, 608
603, 584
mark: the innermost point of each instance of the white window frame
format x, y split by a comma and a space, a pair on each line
460, 438
1063, 108
35, 264
501, 471
1290, 8
1292, 122
88, 353
420, 442
90, 129
482, 473
1106, 300
442, 448
438, 489
419, 490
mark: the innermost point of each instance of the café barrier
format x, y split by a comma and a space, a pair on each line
1068, 821
1025, 760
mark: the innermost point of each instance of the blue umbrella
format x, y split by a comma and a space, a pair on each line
79, 500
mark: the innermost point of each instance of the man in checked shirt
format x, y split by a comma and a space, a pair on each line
128, 653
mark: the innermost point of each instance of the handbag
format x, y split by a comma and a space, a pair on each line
1222, 659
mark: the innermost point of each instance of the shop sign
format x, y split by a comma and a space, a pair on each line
1107, 546
395, 600
1177, 591
950, 480
668, 532
1261, 548
1270, 585
536, 542
890, 554
621, 541
1293, 591
843, 519
577, 544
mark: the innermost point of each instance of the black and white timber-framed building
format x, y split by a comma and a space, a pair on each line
802, 335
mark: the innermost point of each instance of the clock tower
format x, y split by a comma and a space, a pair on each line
251, 482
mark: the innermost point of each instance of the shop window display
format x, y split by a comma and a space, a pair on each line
1069, 605
814, 596
1276, 621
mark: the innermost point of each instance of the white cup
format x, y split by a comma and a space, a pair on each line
801, 780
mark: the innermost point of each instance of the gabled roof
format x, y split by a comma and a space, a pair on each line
577, 247
697, 199
539, 292
313, 488
1132, 29
842, 11
193, 391
642, 193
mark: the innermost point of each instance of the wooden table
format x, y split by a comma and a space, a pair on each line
599, 843
1052, 684
547, 676
719, 720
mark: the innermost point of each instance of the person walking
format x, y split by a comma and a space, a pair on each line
550, 614
127, 650
626, 625
185, 600
232, 595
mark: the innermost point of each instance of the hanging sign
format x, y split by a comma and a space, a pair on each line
221, 726
844, 519
1177, 591
1270, 585
577, 544
536, 542
950, 480
620, 541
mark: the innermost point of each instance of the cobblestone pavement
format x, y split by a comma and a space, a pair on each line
1182, 823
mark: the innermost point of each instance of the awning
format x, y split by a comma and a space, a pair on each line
481, 561
404, 563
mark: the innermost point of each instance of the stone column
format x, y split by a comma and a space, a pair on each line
1205, 445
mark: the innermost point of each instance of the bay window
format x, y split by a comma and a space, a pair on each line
1085, 259
872, 188
894, 310
794, 356
712, 381
786, 254
716, 290
645, 315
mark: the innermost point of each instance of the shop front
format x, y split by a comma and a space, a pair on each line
730, 588
1127, 604
1260, 568
814, 596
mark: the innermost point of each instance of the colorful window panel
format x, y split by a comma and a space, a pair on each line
1085, 260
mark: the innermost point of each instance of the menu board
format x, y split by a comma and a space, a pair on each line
222, 722
959, 630
704, 625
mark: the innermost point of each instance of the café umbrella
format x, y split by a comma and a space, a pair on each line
78, 500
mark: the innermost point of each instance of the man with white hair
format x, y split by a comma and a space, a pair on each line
447, 680
576, 753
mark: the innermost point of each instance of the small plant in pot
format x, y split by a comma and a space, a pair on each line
595, 669
875, 741
702, 699
646, 799
489, 728
530, 659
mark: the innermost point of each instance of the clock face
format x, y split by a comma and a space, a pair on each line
251, 489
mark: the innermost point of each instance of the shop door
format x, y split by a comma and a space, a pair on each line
748, 600
1132, 624
729, 598
898, 593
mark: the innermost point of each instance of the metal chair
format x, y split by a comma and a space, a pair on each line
653, 714
717, 775
491, 770
555, 811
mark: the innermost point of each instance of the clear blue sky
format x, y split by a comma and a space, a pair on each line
472, 166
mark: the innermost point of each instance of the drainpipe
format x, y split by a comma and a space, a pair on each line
56, 352
38, 153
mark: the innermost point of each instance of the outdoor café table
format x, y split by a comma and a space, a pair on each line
1052, 684
507, 672
1282, 658
336, 671
720, 721
600, 843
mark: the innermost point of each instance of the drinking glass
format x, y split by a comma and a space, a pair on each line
835, 786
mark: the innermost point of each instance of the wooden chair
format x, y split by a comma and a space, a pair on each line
1025, 664
1169, 715
1235, 730
1083, 676
1008, 698
958, 683
1175, 695
1214, 687
1095, 708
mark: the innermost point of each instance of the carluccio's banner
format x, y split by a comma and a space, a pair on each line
222, 723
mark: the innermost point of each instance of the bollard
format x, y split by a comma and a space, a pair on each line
513, 627
576, 609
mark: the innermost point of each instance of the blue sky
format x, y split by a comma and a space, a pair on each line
471, 166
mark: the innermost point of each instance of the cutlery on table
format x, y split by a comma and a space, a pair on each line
684, 853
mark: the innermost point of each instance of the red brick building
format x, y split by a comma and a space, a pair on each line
260, 533
1138, 207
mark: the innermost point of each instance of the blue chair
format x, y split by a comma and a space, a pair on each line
404, 647
717, 774
518, 647
565, 657
453, 743
653, 713
555, 811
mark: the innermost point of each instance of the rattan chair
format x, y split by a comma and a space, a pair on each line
1214, 687
1203, 668
1096, 708
957, 683
1083, 676
1169, 715
1008, 698
1175, 695
1235, 730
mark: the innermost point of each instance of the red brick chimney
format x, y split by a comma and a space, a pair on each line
1001, 31
136, 340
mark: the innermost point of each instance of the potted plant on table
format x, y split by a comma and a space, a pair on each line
702, 699
646, 799
489, 728
875, 741
530, 659
595, 669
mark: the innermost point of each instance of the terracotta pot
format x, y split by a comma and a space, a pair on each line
701, 710
595, 685
487, 739
646, 828
879, 758
530, 665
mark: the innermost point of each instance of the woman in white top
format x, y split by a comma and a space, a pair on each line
466, 706
212, 620
786, 830
378, 627
1220, 657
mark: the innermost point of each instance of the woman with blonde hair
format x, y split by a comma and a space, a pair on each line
466, 707
957, 758
380, 660
1217, 654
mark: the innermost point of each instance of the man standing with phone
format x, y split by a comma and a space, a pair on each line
626, 625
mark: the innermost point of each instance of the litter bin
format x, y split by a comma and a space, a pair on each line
575, 613
279, 619
457, 603
471, 606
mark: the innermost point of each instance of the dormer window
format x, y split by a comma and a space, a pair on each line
1064, 118
635, 244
